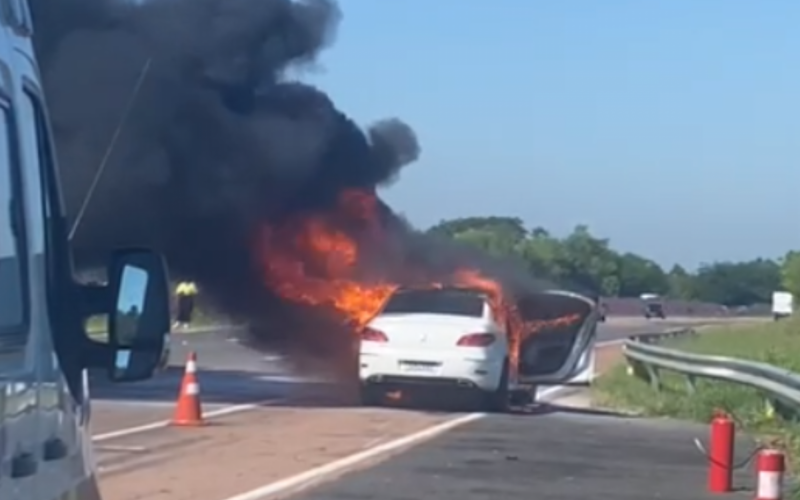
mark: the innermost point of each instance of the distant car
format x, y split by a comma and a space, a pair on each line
654, 310
444, 338
602, 312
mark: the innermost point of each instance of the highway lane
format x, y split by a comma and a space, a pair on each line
617, 328
229, 374
233, 374
557, 453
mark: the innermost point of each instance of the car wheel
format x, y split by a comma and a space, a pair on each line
499, 400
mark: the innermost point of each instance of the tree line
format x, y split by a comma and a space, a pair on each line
588, 262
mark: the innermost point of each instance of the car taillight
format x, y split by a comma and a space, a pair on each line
373, 335
476, 340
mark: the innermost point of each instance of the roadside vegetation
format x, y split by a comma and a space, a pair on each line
774, 343
588, 261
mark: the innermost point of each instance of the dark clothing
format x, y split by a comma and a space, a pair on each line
185, 308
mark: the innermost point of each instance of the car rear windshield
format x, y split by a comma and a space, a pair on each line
456, 302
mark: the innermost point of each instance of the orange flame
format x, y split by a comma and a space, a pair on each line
309, 260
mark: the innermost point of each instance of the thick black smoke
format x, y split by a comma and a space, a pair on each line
217, 140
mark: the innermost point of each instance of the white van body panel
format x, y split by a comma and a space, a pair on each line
45, 442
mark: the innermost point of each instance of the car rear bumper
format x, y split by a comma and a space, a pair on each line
466, 372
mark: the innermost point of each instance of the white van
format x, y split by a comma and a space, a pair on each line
45, 445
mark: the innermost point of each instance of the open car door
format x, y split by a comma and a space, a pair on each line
558, 349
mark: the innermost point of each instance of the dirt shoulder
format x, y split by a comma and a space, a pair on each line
607, 357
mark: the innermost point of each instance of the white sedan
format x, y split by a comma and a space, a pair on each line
448, 338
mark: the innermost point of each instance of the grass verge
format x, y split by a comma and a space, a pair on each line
774, 343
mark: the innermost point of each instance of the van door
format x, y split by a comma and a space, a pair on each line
558, 345
19, 416
63, 440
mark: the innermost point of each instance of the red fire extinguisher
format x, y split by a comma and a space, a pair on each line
720, 454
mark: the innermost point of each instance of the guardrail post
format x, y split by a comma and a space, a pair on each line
691, 384
653, 375
776, 407
637, 369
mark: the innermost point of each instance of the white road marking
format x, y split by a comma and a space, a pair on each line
291, 379
138, 449
323, 472
226, 410
317, 474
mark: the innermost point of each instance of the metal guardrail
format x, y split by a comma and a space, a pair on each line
646, 360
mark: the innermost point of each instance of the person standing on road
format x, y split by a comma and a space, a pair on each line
185, 293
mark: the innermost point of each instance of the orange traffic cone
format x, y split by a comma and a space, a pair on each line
188, 411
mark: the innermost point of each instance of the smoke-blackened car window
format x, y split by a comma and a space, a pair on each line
12, 297
437, 301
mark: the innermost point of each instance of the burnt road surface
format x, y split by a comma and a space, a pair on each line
557, 453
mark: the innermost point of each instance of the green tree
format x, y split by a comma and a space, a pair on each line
680, 283
638, 275
503, 227
499, 245
737, 283
790, 273
544, 255
589, 261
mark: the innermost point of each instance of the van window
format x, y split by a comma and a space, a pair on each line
455, 302
13, 299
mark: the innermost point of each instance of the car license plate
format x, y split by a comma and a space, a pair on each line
425, 368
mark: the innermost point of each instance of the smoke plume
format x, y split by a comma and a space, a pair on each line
216, 142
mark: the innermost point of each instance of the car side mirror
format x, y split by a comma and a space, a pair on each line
139, 315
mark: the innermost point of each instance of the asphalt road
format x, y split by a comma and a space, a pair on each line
231, 373
557, 454
617, 328
228, 372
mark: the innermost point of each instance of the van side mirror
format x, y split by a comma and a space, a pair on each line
139, 315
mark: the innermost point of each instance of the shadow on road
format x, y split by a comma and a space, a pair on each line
550, 409
216, 386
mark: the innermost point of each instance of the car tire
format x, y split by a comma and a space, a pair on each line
499, 400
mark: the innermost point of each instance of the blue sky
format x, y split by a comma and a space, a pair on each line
671, 127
